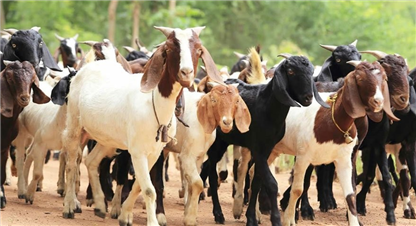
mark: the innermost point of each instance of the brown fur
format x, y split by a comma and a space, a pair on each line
137, 65
355, 100
217, 103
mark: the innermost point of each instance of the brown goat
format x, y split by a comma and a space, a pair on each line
17, 79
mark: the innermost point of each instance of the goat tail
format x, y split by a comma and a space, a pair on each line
256, 75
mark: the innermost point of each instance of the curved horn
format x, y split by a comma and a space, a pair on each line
128, 48
285, 55
90, 43
329, 47
35, 28
239, 55
59, 37
354, 63
7, 62
198, 29
10, 30
75, 37
376, 53
354, 43
165, 30
138, 43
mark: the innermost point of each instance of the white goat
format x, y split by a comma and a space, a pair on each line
94, 106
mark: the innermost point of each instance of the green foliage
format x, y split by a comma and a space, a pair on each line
297, 27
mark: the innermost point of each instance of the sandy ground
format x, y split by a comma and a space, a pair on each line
47, 207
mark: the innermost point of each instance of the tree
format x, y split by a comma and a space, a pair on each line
112, 20
136, 22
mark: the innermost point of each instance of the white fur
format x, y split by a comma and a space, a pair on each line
100, 92
71, 43
186, 58
300, 140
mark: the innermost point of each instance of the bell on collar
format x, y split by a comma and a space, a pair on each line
348, 138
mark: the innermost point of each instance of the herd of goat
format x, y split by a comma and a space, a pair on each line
322, 117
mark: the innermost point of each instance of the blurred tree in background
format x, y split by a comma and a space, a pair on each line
297, 27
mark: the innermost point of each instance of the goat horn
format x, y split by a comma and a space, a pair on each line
35, 28
90, 43
376, 53
354, 43
203, 68
75, 37
10, 30
239, 55
165, 30
329, 47
354, 63
212, 84
198, 29
59, 37
128, 48
138, 43
285, 55
7, 62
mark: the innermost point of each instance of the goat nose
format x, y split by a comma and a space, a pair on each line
226, 121
24, 98
378, 101
403, 98
186, 71
308, 98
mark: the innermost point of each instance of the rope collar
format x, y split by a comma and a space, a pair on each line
348, 138
162, 128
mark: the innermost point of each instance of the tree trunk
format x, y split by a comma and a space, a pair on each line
172, 8
2, 16
136, 23
112, 20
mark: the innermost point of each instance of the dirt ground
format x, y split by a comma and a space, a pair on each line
47, 207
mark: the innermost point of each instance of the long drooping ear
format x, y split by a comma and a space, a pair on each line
318, 97
242, 116
48, 60
38, 96
206, 114
351, 98
211, 69
203, 85
59, 92
386, 104
153, 70
280, 86
6, 98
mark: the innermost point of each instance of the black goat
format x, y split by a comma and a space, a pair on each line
68, 50
268, 105
27, 45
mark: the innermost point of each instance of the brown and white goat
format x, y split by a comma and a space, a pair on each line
17, 80
365, 91
148, 122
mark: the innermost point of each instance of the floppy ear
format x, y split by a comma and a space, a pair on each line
318, 97
211, 69
242, 116
153, 70
206, 115
121, 60
351, 98
48, 60
386, 104
38, 96
6, 98
280, 86
203, 85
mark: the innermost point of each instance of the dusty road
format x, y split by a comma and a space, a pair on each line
47, 207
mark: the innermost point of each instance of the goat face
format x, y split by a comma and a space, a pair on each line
344, 53
293, 81
69, 48
366, 90
16, 81
397, 71
220, 107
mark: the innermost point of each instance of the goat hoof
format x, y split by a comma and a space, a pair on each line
114, 216
223, 175
122, 223
29, 201
251, 222
69, 215
7, 183
38, 189
307, 213
2, 203
21, 196
99, 213
237, 217
61, 192
202, 196
77, 210
90, 202
219, 218
181, 193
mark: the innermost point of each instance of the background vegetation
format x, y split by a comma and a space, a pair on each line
297, 27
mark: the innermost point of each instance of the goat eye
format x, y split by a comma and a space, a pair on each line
14, 45
290, 71
337, 60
